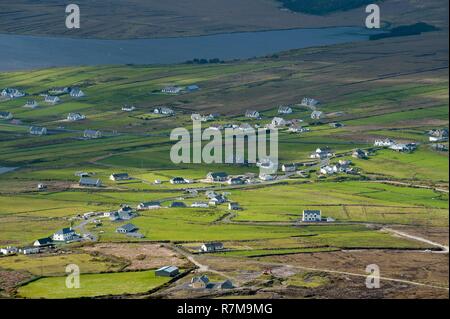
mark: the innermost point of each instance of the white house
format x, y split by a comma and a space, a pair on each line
77, 93
310, 102
65, 234
278, 121
321, 153
92, 134
30, 250
171, 90
72, 117
128, 108
34, 130
164, 111
9, 250
51, 99
312, 215
211, 247
316, 115
298, 129
32, 104
252, 114
284, 110
438, 135
119, 176
148, 205
178, 180
90, 182
289, 168
384, 143
200, 205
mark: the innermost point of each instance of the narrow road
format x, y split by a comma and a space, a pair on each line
444, 249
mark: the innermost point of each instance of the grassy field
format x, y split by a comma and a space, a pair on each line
92, 285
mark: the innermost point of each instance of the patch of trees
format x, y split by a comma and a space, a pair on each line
405, 30
322, 7
205, 61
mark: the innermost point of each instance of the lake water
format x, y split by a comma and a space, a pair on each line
29, 52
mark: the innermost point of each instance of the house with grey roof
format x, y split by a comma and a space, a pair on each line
284, 109
52, 99
119, 177
172, 90
211, 247
31, 104
35, 130
149, 205
311, 215
252, 114
63, 235
217, 177
90, 182
5, 115
309, 102
92, 134
199, 282
167, 271
316, 115
127, 228
73, 117
163, 110
76, 93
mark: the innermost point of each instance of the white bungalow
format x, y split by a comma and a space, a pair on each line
284, 110
51, 99
310, 102
34, 130
171, 90
73, 117
128, 108
31, 104
252, 114
316, 115
76, 93
278, 121
92, 134
311, 215
384, 143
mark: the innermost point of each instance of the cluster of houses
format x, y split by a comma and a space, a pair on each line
438, 135
399, 147
64, 235
343, 166
202, 282
12, 93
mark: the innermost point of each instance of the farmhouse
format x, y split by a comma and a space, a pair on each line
200, 282
34, 130
32, 104
316, 115
309, 102
171, 90
178, 180
410, 147
72, 117
64, 234
12, 93
128, 108
211, 247
322, 152
312, 216
384, 143
43, 242
51, 99
9, 250
278, 121
90, 182
284, 110
164, 111
127, 228
167, 271
216, 177
119, 177
289, 168
76, 92
6, 115
359, 153
252, 114
92, 134
149, 205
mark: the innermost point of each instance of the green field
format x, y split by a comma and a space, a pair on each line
93, 285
